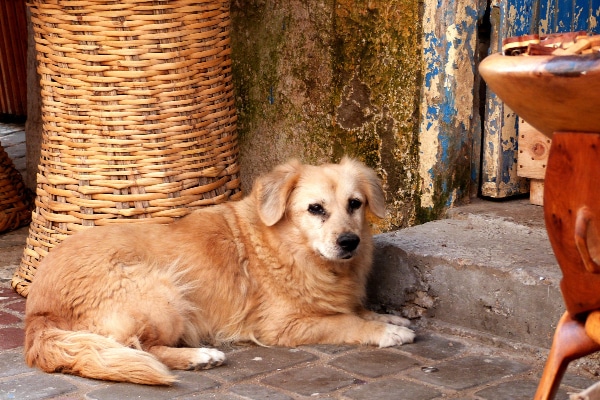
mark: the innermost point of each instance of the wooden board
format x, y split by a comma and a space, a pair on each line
536, 192
532, 159
533, 152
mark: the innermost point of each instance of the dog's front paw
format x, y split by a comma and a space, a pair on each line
206, 358
394, 320
387, 318
396, 335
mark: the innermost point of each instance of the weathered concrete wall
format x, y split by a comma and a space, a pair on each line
475, 270
392, 82
319, 79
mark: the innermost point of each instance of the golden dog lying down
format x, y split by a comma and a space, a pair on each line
286, 266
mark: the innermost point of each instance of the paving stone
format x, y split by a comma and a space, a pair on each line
189, 382
16, 150
11, 338
332, 348
12, 363
311, 381
20, 164
433, 347
35, 386
470, 371
257, 392
18, 306
8, 128
87, 382
515, 390
374, 363
258, 360
210, 396
8, 319
576, 381
9, 294
11, 140
394, 389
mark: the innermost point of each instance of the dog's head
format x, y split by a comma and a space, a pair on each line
326, 205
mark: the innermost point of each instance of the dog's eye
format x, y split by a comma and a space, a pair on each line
316, 209
354, 204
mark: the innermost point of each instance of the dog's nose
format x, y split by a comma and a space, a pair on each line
348, 241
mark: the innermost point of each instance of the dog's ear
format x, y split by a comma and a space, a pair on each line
370, 185
273, 190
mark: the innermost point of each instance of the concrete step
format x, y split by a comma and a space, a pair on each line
488, 268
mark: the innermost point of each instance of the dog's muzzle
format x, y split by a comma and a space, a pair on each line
348, 242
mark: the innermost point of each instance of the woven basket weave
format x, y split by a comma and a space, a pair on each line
138, 116
15, 199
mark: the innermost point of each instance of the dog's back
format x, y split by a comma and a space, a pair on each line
105, 296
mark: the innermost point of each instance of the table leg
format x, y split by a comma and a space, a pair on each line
570, 342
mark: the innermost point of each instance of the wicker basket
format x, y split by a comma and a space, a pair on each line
15, 199
138, 115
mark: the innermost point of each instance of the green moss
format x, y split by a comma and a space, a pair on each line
256, 40
450, 178
377, 42
318, 80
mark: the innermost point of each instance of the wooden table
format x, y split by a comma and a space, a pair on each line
572, 215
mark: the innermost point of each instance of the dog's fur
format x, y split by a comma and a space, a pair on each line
283, 267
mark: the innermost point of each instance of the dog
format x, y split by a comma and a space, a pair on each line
285, 266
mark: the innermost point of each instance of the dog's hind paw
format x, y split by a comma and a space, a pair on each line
396, 335
206, 358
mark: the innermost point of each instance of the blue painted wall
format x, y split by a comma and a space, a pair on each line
514, 18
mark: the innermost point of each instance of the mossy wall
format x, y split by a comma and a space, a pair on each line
318, 79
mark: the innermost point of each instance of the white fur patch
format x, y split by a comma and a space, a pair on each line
396, 335
206, 358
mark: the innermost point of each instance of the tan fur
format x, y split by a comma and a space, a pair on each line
128, 302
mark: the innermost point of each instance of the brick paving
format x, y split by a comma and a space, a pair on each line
12, 139
436, 366
439, 365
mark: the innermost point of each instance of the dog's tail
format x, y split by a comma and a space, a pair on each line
90, 355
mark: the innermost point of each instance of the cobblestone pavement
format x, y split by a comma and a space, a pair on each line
12, 139
436, 366
439, 365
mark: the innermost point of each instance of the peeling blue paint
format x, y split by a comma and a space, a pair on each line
571, 15
433, 56
271, 97
444, 147
520, 17
450, 33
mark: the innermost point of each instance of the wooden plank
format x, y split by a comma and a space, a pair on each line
4, 92
18, 31
449, 130
564, 16
13, 50
534, 148
594, 17
581, 13
499, 177
536, 192
545, 17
